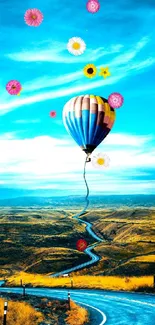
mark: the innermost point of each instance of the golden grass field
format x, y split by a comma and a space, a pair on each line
85, 281
77, 315
129, 241
20, 313
43, 241
37, 310
39, 240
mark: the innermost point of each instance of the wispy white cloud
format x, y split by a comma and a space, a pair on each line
74, 83
130, 54
141, 65
27, 121
125, 187
126, 140
8, 136
100, 187
49, 81
44, 161
58, 53
5, 107
127, 159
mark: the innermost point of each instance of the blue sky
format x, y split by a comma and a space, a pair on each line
36, 151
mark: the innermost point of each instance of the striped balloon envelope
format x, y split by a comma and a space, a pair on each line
88, 119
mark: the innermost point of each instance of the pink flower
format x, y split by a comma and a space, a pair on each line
13, 87
52, 114
93, 6
33, 17
115, 100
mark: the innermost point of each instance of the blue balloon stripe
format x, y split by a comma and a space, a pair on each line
101, 136
71, 129
100, 118
78, 118
78, 121
99, 131
77, 128
74, 126
92, 126
85, 124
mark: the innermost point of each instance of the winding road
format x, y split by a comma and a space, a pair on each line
93, 257
112, 308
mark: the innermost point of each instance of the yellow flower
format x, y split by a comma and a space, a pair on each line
104, 72
100, 161
90, 70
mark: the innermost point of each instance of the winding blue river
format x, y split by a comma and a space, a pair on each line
93, 257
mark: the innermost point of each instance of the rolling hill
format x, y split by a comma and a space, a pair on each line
42, 240
129, 241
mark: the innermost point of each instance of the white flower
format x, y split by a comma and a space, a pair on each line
76, 46
100, 161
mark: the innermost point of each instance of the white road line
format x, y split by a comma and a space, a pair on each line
131, 300
82, 303
100, 311
111, 297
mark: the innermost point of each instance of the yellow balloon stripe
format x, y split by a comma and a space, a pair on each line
109, 113
99, 100
107, 110
113, 115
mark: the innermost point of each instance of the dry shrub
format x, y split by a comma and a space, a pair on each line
77, 315
20, 313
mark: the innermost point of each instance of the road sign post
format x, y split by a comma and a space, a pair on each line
5, 312
69, 300
71, 283
23, 289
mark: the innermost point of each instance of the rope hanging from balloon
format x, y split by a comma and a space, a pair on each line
84, 177
88, 159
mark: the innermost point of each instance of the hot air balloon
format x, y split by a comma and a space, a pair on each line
88, 119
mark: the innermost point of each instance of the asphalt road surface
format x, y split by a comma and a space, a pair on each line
111, 308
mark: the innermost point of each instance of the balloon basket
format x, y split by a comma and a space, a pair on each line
88, 159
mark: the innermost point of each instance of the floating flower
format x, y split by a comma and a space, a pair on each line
100, 161
13, 87
33, 17
90, 70
104, 72
52, 114
115, 100
93, 6
76, 46
20, 92
81, 245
